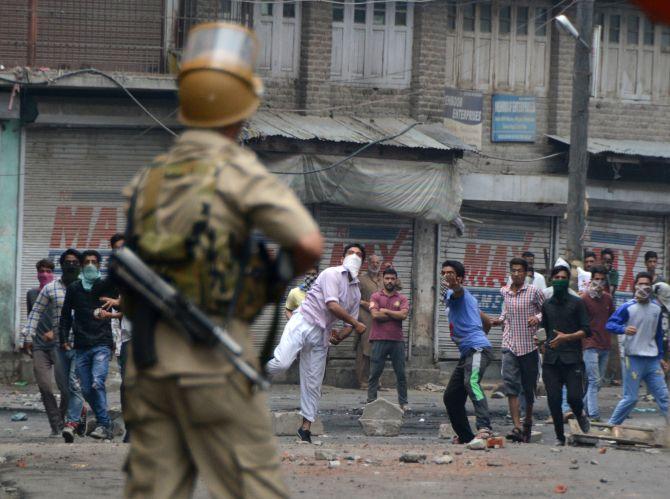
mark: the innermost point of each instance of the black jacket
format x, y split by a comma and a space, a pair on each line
80, 304
567, 316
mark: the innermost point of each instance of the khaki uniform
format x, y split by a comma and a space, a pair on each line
368, 285
192, 412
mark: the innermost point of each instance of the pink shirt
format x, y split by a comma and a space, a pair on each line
390, 330
333, 284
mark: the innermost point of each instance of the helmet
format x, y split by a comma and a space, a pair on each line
217, 84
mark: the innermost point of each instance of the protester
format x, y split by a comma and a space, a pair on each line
522, 312
651, 262
590, 259
534, 278
370, 282
388, 308
297, 295
613, 371
596, 348
333, 296
121, 328
639, 323
93, 340
607, 259
47, 307
475, 356
38, 341
565, 322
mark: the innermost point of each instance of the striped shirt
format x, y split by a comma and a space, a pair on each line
518, 307
50, 301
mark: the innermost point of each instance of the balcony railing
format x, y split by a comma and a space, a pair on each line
131, 36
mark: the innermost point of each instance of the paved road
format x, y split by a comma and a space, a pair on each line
37, 466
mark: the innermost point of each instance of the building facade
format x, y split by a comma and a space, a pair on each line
339, 76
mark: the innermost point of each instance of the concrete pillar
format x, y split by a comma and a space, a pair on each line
10, 180
429, 61
315, 46
423, 293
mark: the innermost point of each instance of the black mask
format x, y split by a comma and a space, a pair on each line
70, 272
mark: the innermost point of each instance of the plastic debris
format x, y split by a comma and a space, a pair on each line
19, 416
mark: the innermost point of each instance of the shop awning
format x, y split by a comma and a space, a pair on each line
618, 147
353, 129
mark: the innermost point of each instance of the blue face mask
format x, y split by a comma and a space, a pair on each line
89, 275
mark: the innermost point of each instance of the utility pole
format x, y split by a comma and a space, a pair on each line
579, 130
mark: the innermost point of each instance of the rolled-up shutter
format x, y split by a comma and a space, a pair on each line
72, 190
389, 236
490, 240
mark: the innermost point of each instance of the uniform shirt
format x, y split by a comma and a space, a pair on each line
333, 284
518, 307
567, 316
646, 317
47, 306
249, 197
390, 330
467, 331
599, 310
295, 297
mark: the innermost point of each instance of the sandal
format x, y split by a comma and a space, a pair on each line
516, 435
484, 434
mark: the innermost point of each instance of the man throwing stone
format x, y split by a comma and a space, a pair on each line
476, 354
334, 296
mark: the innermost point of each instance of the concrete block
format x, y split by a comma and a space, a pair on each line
286, 424
381, 418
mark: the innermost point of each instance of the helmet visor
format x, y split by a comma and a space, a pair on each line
221, 45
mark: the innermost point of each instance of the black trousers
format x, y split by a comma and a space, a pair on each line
465, 382
556, 376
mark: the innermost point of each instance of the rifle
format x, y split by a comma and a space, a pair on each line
165, 301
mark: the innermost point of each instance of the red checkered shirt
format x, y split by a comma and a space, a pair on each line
517, 309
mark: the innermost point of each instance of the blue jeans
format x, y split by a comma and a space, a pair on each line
76, 401
92, 367
595, 363
635, 370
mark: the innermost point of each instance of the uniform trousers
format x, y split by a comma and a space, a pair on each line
301, 337
214, 426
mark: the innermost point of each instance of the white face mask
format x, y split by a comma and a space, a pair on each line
353, 264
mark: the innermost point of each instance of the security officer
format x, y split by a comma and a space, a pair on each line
190, 212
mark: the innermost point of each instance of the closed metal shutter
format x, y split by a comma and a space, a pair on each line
630, 237
72, 190
389, 236
485, 250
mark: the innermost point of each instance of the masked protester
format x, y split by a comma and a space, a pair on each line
93, 341
297, 295
639, 322
566, 323
333, 296
371, 282
599, 306
40, 337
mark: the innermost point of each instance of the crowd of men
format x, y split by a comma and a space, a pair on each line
563, 334
74, 328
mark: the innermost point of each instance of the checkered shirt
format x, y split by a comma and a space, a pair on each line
50, 301
517, 309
